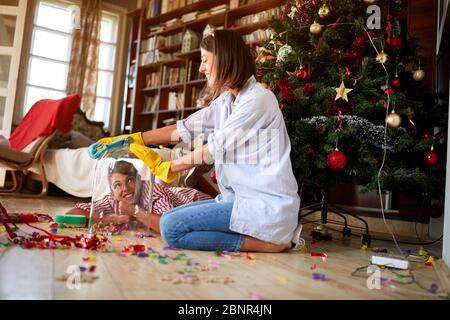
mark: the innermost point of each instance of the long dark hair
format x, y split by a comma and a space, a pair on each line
234, 61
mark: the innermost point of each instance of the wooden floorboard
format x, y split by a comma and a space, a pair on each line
34, 274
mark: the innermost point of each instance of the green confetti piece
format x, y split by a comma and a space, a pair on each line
180, 256
162, 261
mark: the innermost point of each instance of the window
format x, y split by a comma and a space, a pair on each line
107, 53
48, 64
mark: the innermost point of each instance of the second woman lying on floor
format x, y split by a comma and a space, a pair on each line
129, 198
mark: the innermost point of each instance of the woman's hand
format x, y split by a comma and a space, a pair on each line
127, 209
116, 219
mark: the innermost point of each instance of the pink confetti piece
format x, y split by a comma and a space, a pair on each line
313, 267
256, 296
213, 264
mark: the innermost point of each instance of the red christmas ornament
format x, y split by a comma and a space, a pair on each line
213, 177
388, 90
431, 158
286, 90
336, 160
396, 82
302, 74
309, 87
398, 42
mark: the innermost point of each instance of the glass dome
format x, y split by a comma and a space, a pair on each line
122, 194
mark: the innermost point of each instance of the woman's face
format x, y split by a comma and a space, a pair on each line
206, 66
123, 187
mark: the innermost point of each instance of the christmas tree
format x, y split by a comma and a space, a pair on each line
349, 81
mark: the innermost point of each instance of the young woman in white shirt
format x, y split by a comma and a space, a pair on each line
246, 138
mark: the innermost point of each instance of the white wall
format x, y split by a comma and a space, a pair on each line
442, 34
446, 240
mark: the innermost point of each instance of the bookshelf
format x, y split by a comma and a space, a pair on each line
163, 83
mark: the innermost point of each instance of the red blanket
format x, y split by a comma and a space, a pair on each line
44, 117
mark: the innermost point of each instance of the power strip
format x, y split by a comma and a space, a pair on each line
390, 262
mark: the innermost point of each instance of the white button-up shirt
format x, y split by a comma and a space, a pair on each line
248, 140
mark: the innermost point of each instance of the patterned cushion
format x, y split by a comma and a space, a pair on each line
83, 132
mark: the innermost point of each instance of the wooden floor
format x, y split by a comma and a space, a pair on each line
36, 274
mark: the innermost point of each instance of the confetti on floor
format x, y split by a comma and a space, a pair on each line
319, 276
282, 279
256, 296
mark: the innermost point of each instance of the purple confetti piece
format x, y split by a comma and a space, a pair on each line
169, 248
385, 281
319, 276
433, 288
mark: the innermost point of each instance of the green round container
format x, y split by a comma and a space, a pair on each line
73, 220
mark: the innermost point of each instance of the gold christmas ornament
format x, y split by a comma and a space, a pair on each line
382, 57
315, 28
370, 1
418, 75
341, 92
324, 11
393, 120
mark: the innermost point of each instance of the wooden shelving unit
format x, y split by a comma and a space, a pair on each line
147, 106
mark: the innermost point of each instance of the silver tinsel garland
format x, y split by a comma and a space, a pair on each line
369, 133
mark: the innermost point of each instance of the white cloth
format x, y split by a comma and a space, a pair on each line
249, 142
72, 170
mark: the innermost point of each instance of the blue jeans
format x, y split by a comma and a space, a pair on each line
201, 225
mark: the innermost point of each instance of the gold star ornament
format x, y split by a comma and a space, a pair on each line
341, 92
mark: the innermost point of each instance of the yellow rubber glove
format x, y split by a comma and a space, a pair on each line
154, 162
137, 138
98, 148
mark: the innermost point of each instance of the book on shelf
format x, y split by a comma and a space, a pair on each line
234, 4
173, 102
179, 100
153, 79
150, 103
154, 28
218, 9
153, 8
164, 6
203, 14
257, 36
152, 43
190, 16
173, 75
174, 22
174, 39
260, 16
